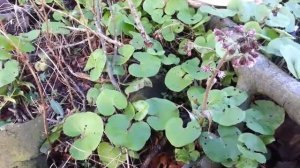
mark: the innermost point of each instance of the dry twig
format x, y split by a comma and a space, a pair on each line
139, 24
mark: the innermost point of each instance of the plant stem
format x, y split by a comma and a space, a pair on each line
109, 67
139, 24
210, 83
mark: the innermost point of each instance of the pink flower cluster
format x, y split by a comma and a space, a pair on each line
241, 45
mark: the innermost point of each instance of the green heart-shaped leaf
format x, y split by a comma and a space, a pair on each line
30, 36
21, 44
252, 147
89, 126
175, 5
222, 105
223, 148
280, 20
121, 132
154, 8
92, 95
222, 13
142, 108
292, 59
192, 67
111, 156
244, 162
108, 100
170, 28
136, 40
179, 136
96, 64
55, 28
160, 111
171, 59
4, 55
206, 43
228, 116
194, 94
189, 16
177, 79
9, 73
126, 52
144, 69
264, 117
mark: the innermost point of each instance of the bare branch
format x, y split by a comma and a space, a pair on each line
109, 67
101, 35
139, 24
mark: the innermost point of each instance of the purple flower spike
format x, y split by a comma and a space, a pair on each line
240, 45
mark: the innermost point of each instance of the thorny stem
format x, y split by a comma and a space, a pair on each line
109, 67
139, 24
210, 83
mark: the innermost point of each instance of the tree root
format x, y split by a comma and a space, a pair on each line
268, 79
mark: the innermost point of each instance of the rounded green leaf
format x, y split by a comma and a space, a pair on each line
142, 108
170, 28
120, 131
111, 156
92, 95
228, 116
125, 52
223, 148
9, 73
4, 55
280, 20
252, 147
177, 79
175, 5
30, 36
244, 162
194, 94
292, 59
89, 126
21, 44
264, 117
160, 111
189, 16
154, 8
253, 142
136, 40
192, 67
234, 96
149, 65
179, 136
108, 100
170, 59
96, 64
55, 28
222, 13
129, 111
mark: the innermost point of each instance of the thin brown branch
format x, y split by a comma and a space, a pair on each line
139, 25
24, 59
109, 67
100, 35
